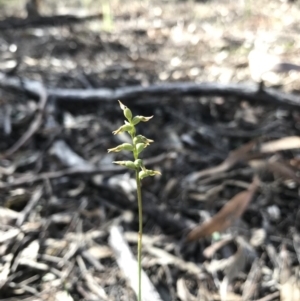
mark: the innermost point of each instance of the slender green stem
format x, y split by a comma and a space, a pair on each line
139, 196
140, 209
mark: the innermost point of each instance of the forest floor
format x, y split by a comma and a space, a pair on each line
221, 222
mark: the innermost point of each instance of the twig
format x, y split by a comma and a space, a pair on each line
243, 91
90, 281
29, 207
269, 297
44, 21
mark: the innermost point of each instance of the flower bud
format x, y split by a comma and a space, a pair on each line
143, 174
153, 173
140, 147
148, 173
142, 139
123, 128
128, 114
138, 163
128, 164
123, 107
135, 120
124, 146
144, 119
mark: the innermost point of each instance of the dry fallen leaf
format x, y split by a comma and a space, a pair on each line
230, 212
247, 152
285, 143
278, 168
282, 169
238, 155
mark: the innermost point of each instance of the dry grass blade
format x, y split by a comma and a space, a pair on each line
227, 215
36, 196
165, 258
90, 281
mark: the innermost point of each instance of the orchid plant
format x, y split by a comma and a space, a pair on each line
139, 143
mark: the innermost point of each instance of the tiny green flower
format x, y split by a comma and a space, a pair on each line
148, 173
123, 128
128, 114
137, 119
142, 139
140, 147
153, 173
139, 163
124, 146
123, 107
144, 119
128, 164
126, 110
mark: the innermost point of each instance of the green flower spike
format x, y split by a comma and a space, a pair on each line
139, 143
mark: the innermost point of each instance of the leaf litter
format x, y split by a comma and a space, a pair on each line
222, 223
